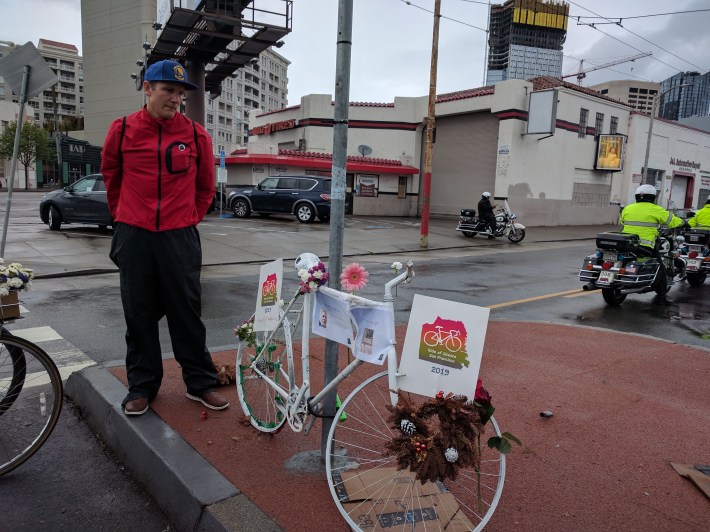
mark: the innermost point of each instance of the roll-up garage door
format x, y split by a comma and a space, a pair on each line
464, 161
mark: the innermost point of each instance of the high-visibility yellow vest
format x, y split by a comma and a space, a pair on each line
644, 219
701, 220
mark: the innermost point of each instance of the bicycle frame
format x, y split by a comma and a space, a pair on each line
296, 397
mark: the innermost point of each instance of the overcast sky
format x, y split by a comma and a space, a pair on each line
391, 49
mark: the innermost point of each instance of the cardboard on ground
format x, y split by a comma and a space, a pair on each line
376, 504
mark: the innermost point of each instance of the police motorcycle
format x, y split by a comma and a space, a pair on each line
695, 251
470, 225
620, 267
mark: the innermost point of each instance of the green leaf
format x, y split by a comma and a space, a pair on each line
499, 443
509, 436
487, 410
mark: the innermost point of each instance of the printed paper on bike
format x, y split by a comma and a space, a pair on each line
268, 307
443, 347
331, 316
375, 333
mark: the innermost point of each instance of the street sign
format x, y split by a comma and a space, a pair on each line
41, 77
221, 175
221, 159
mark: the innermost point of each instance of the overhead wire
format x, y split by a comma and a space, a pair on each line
447, 18
635, 34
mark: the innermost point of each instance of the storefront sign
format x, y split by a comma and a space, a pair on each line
367, 185
687, 164
268, 129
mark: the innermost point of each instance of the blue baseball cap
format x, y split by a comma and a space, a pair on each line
169, 72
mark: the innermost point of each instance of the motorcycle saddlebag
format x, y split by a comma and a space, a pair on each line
612, 241
699, 236
470, 213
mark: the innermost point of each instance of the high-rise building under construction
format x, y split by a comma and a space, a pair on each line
525, 39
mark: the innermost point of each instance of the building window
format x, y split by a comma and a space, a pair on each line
583, 117
599, 124
613, 125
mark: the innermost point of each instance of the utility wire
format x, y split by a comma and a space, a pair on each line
591, 25
638, 16
442, 16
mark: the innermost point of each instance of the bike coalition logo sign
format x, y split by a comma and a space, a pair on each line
266, 315
444, 342
443, 347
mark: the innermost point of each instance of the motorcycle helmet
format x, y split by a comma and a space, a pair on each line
486, 194
646, 193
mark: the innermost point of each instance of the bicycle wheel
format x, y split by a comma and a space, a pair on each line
33, 406
258, 378
368, 489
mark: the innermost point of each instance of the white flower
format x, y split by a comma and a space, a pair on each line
281, 302
4, 291
318, 274
396, 266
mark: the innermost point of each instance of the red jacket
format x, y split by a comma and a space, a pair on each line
151, 171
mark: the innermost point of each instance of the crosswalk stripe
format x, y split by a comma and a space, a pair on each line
65, 355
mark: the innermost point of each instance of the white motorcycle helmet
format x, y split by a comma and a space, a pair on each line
486, 194
646, 193
306, 261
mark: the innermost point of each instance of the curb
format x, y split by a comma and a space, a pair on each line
191, 492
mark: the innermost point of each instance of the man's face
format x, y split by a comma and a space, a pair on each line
163, 99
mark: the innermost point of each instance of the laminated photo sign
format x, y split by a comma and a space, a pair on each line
268, 307
443, 347
331, 317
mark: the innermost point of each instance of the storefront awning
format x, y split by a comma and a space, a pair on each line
323, 161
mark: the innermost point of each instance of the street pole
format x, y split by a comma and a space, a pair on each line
429, 145
15, 151
650, 132
337, 195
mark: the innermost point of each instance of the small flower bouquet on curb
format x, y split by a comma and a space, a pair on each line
13, 277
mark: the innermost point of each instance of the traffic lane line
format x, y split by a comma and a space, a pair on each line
567, 293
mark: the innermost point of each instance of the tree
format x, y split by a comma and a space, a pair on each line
34, 146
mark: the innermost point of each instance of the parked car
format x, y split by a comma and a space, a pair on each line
83, 202
304, 196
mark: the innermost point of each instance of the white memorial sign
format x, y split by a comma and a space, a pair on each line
268, 307
443, 347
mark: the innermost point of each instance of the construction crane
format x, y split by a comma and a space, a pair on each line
582, 73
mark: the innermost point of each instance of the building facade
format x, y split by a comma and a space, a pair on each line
566, 175
525, 39
63, 104
640, 95
688, 94
10, 112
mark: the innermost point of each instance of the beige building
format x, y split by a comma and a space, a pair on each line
63, 102
9, 112
639, 95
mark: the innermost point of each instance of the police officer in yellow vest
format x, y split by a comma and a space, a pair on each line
644, 218
701, 220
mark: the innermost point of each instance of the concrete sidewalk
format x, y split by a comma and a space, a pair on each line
625, 407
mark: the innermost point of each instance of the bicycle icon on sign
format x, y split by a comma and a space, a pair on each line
449, 339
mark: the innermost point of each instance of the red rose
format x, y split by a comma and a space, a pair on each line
482, 395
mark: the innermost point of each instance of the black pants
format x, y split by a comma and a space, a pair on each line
490, 219
660, 284
160, 276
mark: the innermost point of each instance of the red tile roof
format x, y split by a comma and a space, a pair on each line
462, 95
351, 158
548, 82
58, 44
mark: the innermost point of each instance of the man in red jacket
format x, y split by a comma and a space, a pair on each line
159, 173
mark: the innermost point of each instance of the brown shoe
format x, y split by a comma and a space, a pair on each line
136, 407
210, 399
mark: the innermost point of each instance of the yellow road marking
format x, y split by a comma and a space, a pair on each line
536, 298
584, 293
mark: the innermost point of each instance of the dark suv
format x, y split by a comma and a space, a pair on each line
304, 196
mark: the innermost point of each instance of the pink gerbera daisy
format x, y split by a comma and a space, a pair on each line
354, 277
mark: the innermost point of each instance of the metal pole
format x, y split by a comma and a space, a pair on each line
337, 195
650, 131
15, 150
428, 147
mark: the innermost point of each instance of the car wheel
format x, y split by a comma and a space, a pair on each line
241, 208
55, 219
305, 213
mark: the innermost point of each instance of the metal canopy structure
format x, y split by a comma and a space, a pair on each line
223, 35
